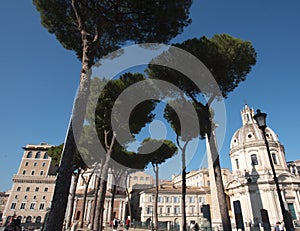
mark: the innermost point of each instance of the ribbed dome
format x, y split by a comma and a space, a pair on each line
250, 132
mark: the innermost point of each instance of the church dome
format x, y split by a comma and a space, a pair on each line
250, 132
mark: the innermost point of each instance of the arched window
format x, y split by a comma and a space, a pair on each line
38, 155
274, 158
29, 155
28, 219
254, 160
38, 219
46, 155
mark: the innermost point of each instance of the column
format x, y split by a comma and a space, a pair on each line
297, 203
215, 210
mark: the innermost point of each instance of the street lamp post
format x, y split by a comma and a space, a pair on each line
260, 119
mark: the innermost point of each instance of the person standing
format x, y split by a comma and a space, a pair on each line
127, 223
115, 224
277, 226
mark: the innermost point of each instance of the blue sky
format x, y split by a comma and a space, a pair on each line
39, 77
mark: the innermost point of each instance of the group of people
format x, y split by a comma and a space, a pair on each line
194, 226
116, 223
13, 225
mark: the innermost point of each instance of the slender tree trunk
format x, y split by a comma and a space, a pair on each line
84, 199
156, 197
183, 190
128, 196
112, 202
97, 188
129, 203
63, 181
103, 184
219, 184
69, 221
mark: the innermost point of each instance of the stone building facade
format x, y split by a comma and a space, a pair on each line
33, 186
3, 201
251, 187
169, 204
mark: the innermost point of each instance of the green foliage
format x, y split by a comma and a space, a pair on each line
55, 154
166, 149
109, 24
187, 116
229, 60
140, 116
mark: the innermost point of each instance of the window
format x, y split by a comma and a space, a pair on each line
292, 211
149, 210
191, 199
160, 210
176, 199
34, 198
44, 197
29, 155
22, 205
32, 172
24, 172
168, 210
176, 210
13, 205
42, 205
141, 178
43, 164
34, 164
254, 160
46, 155
32, 205
237, 164
25, 197
27, 189
167, 199
192, 209
38, 155
37, 189
208, 183
201, 199
38, 219
26, 164
160, 199
19, 189
147, 178
41, 173
135, 177
274, 158
46, 189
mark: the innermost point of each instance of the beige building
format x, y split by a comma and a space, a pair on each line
3, 201
33, 186
169, 204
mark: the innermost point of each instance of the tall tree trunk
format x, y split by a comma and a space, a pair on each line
128, 195
183, 189
112, 202
97, 188
63, 181
219, 184
156, 197
84, 199
129, 203
100, 205
73, 198
103, 184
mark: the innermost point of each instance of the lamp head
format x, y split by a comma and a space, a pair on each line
260, 119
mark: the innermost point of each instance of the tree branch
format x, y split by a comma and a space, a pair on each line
211, 99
